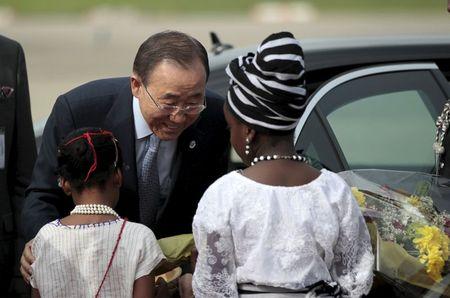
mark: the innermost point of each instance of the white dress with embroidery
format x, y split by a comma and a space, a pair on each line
288, 237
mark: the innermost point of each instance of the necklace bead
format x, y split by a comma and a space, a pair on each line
93, 209
276, 156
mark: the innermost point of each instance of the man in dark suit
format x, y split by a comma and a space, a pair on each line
17, 155
165, 98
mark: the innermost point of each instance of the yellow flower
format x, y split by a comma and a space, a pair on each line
445, 243
359, 196
432, 244
414, 200
435, 263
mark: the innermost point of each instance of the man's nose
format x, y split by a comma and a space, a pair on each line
178, 117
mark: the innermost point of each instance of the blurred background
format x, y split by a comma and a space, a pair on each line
69, 42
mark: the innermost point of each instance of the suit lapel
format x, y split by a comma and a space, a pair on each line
121, 122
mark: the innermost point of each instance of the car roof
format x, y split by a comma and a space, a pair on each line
340, 52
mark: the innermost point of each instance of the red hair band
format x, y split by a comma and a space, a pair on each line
87, 136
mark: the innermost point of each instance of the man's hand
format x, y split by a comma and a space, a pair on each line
26, 260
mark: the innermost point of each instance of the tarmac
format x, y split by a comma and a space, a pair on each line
65, 51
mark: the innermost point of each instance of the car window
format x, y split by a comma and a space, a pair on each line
402, 139
385, 120
316, 144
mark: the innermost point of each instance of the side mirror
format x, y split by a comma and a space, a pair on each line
218, 47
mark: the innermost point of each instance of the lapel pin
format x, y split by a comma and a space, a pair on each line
192, 144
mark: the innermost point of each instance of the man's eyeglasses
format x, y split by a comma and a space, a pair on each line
174, 109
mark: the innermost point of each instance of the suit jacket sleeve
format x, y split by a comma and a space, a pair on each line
24, 156
45, 201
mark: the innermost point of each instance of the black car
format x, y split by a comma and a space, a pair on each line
373, 101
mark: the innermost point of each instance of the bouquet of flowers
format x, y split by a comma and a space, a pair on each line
406, 214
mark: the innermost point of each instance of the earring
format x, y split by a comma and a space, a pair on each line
247, 146
59, 183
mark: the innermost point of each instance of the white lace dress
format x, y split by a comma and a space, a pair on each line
288, 237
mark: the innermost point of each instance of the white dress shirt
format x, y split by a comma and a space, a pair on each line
166, 153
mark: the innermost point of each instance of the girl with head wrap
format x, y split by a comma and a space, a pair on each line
279, 226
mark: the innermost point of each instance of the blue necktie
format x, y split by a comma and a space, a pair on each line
149, 189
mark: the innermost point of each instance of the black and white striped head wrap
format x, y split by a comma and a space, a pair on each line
267, 89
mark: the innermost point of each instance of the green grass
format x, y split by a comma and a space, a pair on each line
162, 6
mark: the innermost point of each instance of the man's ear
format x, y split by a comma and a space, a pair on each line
65, 185
135, 85
117, 178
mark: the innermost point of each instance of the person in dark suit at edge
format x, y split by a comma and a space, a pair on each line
17, 157
163, 107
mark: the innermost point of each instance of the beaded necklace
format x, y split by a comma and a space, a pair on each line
276, 157
93, 209
442, 125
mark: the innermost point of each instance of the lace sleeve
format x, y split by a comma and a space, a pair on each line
353, 258
215, 271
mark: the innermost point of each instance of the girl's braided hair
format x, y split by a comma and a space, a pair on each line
88, 157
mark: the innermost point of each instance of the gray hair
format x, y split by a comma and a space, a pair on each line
168, 45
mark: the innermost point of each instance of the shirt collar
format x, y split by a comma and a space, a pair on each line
140, 125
